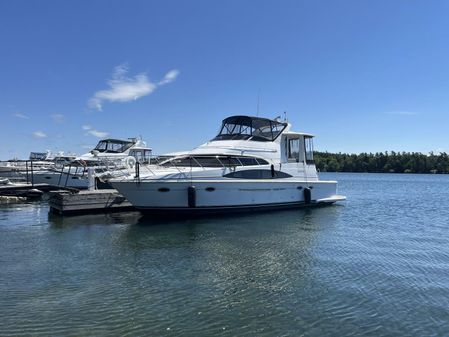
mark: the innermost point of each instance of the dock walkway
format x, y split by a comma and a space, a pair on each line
27, 189
65, 202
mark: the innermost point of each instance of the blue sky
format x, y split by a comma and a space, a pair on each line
361, 75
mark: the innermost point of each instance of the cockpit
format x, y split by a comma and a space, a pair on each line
113, 146
250, 128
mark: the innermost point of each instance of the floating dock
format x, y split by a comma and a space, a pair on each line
88, 201
27, 189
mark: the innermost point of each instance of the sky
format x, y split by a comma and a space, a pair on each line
363, 76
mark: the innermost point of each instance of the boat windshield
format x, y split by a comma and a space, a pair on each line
252, 128
38, 155
113, 146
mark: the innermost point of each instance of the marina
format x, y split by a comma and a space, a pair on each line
253, 164
224, 168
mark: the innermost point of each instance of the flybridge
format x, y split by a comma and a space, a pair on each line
250, 128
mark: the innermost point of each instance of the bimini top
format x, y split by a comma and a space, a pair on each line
251, 128
114, 145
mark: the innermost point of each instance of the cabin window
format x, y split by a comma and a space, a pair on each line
308, 144
101, 146
213, 161
257, 174
253, 128
293, 149
113, 146
142, 156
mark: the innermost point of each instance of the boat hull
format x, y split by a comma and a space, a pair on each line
220, 196
61, 179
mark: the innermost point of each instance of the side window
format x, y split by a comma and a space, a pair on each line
293, 149
308, 143
257, 174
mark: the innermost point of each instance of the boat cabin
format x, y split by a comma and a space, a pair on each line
142, 155
297, 147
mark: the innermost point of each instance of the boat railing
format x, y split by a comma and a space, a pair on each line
188, 163
183, 165
22, 169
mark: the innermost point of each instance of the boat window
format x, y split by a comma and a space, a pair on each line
248, 161
253, 128
213, 161
257, 174
308, 144
159, 159
38, 155
141, 155
101, 147
113, 146
293, 149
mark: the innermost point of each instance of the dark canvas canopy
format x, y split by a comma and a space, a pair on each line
253, 128
113, 145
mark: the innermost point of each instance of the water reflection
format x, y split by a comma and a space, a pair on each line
375, 266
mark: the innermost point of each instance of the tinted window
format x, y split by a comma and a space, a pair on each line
214, 161
257, 174
113, 146
254, 128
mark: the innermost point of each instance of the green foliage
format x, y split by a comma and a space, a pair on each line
390, 162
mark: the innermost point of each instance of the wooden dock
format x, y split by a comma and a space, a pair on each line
88, 201
26, 189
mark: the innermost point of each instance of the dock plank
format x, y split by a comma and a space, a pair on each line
63, 202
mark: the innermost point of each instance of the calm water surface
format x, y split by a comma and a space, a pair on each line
377, 265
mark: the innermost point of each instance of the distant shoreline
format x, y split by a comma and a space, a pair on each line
383, 162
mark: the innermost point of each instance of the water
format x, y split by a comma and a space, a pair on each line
376, 265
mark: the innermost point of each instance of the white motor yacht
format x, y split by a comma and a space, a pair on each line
252, 164
38, 161
109, 155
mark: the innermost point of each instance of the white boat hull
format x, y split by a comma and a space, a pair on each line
63, 180
221, 195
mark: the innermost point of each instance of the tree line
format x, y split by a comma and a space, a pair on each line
388, 162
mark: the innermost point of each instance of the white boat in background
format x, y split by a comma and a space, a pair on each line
252, 164
109, 155
38, 161
116, 151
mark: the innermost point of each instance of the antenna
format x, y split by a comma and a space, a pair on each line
285, 116
258, 101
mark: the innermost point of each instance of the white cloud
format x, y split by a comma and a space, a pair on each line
58, 118
39, 134
21, 115
169, 77
98, 134
124, 89
91, 131
402, 113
